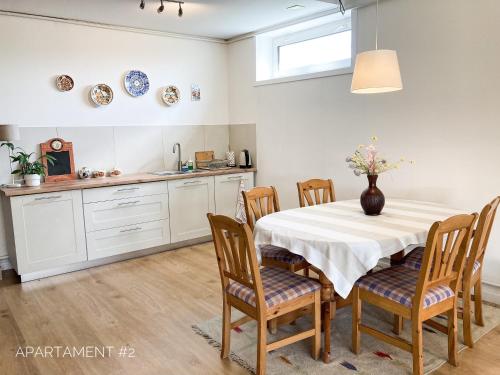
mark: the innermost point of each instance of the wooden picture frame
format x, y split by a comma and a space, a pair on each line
64, 165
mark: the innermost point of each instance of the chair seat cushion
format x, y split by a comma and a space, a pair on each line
399, 283
280, 254
414, 260
279, 286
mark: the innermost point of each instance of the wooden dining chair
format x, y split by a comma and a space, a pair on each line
419, 295
259, 202
472, 271
261, 294
323, 192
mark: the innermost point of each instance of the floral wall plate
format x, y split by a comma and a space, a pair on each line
101, 94
64, 83
171, 95
136, 83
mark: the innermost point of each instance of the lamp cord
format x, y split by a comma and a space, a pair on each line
376, 29
341, 7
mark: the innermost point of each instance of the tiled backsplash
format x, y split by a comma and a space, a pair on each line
136, 149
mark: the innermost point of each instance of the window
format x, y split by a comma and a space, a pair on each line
324, 44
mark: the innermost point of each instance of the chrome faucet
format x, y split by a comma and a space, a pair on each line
179, 163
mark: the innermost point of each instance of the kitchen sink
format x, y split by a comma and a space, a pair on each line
173, 173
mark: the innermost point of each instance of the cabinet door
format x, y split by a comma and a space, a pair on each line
226, 192
190, 200
48, 230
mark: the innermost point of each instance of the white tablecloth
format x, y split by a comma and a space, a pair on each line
343, 242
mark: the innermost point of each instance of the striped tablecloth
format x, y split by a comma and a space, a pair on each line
344, 243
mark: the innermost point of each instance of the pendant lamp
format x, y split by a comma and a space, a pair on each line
376, 71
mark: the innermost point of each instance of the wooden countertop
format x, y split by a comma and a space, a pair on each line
114, 181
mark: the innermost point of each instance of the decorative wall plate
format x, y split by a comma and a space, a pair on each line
101, 94
64, 83
171, 95
136, 83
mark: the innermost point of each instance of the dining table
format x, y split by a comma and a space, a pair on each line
343, 244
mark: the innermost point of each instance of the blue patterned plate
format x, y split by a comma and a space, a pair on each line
136, 83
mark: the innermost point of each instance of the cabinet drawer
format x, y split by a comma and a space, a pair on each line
105, 243
124, 191
245, 177
122, 212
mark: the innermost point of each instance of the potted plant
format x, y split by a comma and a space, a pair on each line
366, 160
32, 171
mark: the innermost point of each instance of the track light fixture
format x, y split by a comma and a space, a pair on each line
161, 8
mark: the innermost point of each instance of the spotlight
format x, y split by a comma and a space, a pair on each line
160, 9
181, 12
142, 5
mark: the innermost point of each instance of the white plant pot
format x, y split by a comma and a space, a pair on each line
32, 179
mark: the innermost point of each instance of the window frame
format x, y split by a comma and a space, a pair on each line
306, 35
310, 71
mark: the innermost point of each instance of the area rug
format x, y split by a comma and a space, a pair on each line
376, 357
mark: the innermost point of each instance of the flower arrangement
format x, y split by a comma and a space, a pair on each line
366, 160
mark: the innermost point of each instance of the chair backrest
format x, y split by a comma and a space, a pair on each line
482, 235
259, 202
444, 255
323, 192
236, 255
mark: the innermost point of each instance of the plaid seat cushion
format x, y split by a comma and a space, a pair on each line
399, 283
280, 254
414, 260
279, 286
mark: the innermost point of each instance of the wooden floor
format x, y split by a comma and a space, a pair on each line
146, 304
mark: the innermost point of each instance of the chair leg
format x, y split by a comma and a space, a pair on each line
397, 326
466, 315
272, 325
452, 336
417, 345
316, 347
261, 347
226, 329
356, 320
478, 303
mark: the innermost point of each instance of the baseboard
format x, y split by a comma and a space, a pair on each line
112, 259
491, 293
5, 264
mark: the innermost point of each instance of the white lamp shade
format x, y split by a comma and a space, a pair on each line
376, 72
9, 133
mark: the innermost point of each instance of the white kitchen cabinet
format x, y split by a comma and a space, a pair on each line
48, 230
122, 212
226, 192
190, 200
108, 242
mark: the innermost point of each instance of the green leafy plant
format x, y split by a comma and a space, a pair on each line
26, 166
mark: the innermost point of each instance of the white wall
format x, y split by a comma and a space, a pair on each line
33, 52
447, 117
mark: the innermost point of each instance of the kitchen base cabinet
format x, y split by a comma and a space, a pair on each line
226, 192
50, 233
48, 230
190, 200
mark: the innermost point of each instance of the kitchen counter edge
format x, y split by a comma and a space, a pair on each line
137, 178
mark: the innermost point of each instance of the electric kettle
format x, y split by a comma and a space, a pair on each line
245, 159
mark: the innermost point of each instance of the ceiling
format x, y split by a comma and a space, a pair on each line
223, 19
